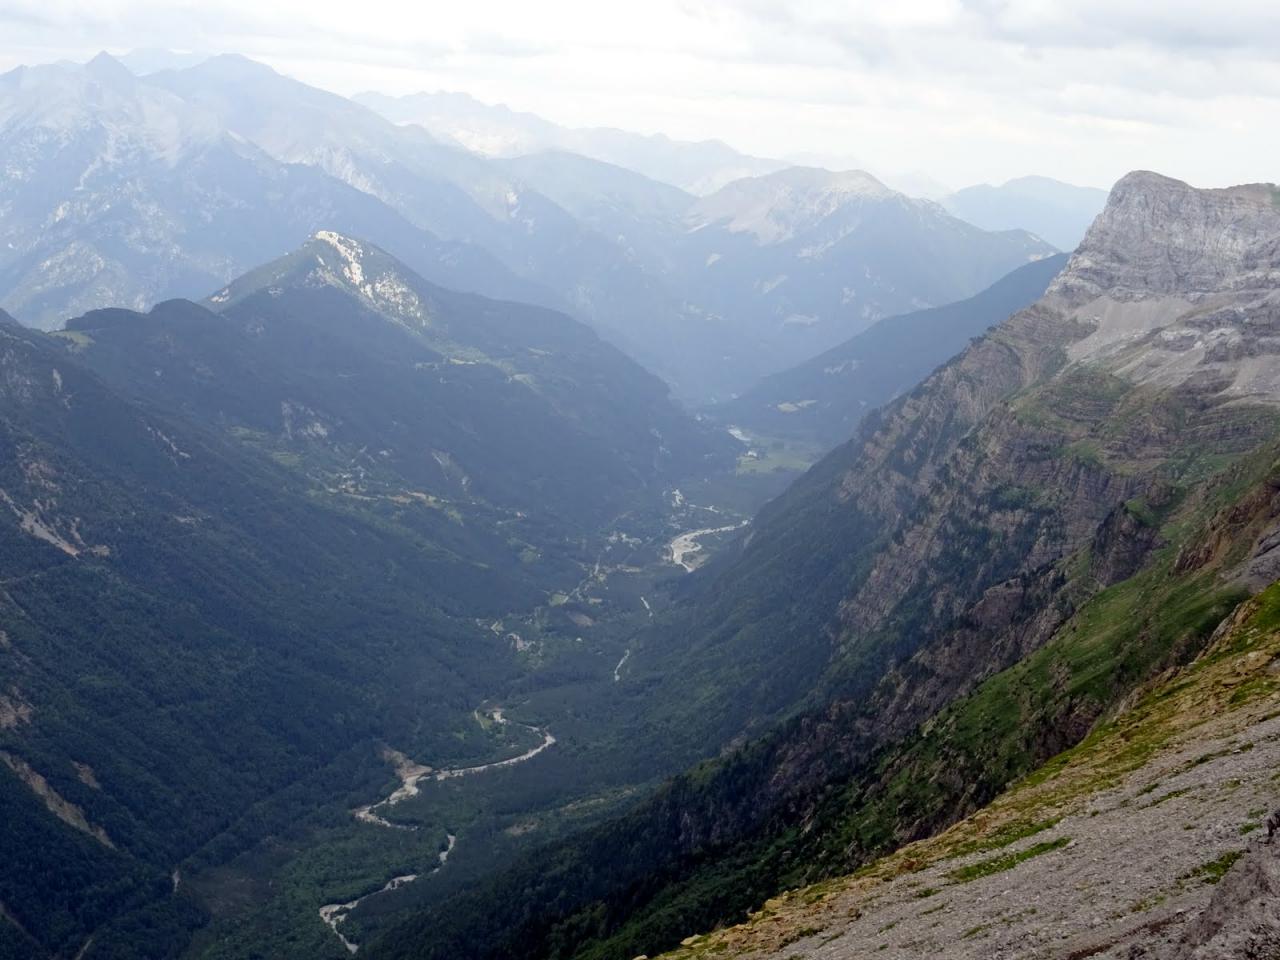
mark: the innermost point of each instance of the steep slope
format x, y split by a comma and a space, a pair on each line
384, 384
1059, 508
189, 632
825, 398
498, 131
1148, 359
119, 193
1146, 840
1058, 212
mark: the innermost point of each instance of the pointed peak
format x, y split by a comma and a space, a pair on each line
366, 273
339, 241
349, 254
106, 68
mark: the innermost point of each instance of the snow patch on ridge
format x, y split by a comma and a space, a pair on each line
350, 252
385, 290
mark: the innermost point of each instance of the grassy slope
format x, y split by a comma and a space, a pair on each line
1126, 633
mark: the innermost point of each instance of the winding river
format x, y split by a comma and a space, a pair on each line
411, 774
685, 548
334, 913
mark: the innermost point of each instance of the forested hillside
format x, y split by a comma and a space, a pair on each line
279, 536
1066, 506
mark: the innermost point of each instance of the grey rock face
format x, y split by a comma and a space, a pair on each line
1241, 921
1160, 236
1178, 287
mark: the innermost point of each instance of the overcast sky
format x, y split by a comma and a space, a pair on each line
964, 90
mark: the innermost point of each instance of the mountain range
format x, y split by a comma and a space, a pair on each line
1058, 212
246, 537
127, 191
367, 585
122, 194
498, 131
1056, 524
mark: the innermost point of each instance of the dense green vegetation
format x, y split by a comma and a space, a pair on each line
461, 404
985, 868
816, 797
196, 655
222, 593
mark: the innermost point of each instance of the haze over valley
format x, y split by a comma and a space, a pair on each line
716, 483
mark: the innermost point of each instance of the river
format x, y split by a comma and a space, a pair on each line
685, 548
411, 774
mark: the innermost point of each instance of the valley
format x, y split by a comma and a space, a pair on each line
1084, 513
411, 775
434, 531
362, 876
686, 548
486, 810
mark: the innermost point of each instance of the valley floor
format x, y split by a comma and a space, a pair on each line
349, 872
1112, 851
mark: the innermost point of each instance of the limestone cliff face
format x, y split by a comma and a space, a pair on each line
1179, 286
970, 527
967, 522
1160, 236
1156, 349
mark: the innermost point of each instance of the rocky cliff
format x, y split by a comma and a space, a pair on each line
969, 585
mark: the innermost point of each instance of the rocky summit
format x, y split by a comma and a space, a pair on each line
1177, 286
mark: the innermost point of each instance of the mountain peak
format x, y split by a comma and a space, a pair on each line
230, 68
776, 206
330, 259
819, 180
107, 69
350, 255
1176, 285
1161, 236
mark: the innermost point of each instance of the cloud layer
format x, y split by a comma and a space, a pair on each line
966, 91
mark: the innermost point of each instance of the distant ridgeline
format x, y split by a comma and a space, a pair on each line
125, 191
823, 399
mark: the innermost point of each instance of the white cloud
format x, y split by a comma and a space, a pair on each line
963, 89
